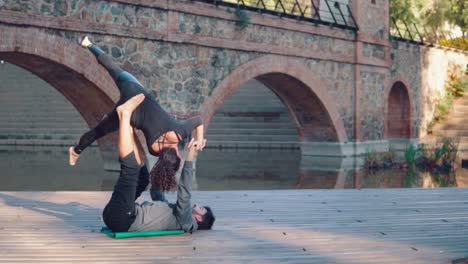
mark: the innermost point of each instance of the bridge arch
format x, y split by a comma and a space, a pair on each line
303, 93
68, 68
398, 120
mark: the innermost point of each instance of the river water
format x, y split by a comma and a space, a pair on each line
46, 169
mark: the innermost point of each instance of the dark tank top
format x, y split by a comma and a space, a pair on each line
151, 118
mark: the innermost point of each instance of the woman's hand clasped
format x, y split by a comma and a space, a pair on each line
197, 144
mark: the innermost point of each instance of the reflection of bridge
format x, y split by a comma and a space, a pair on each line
346, 92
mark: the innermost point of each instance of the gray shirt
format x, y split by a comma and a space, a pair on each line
166, 216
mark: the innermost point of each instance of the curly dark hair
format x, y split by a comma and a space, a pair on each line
164, 171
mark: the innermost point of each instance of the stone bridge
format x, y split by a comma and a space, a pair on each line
347, 92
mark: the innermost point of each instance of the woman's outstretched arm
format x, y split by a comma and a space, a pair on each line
200, 141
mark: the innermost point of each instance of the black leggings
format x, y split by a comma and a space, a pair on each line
119, 213
110, 121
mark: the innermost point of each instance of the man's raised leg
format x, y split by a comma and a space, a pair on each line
119, 213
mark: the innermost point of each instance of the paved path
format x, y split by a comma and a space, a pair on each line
287, 226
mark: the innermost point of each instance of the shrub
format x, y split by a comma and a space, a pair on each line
457, 43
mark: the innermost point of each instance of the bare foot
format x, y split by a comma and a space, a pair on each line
73, 156
85, 42
131, 104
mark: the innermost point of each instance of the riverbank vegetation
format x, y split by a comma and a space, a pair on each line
437, 157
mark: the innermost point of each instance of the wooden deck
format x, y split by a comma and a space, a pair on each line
286, 226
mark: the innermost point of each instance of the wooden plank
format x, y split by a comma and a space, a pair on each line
285, 226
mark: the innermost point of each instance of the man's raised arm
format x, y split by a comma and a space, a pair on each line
183, 209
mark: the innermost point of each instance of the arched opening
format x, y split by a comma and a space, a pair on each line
313, 119
305, 95
265, 109
253, 117
398, 112
38, 124
70, 71
252, 143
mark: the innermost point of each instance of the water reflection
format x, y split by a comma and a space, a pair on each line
46, 169
241, 169
41, 168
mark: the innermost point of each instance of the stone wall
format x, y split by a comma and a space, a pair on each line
424, 71
340, 80
371, 102
436, 65
181, 51
184, 52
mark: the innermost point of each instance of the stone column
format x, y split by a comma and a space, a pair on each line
372, 48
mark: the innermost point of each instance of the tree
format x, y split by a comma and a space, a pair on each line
403, 10
457, 14
435, 14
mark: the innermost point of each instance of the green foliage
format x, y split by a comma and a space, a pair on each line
410, 154
457, 84
439, 157
404, 10
457, 43
457, 14
444, 107
433, 16
454, 12
374, 160
411, 178
389, 157
242, 18
450, 147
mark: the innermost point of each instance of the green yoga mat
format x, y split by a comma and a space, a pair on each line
108, 232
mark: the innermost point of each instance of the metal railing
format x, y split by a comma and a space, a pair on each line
409, 32
326, 12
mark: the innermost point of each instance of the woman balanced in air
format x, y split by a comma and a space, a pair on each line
162, 132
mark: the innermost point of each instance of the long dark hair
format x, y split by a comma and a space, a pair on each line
164, 171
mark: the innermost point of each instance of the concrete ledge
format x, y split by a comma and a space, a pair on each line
400, 144
253, 144
37, 142
316, 163
334, 149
